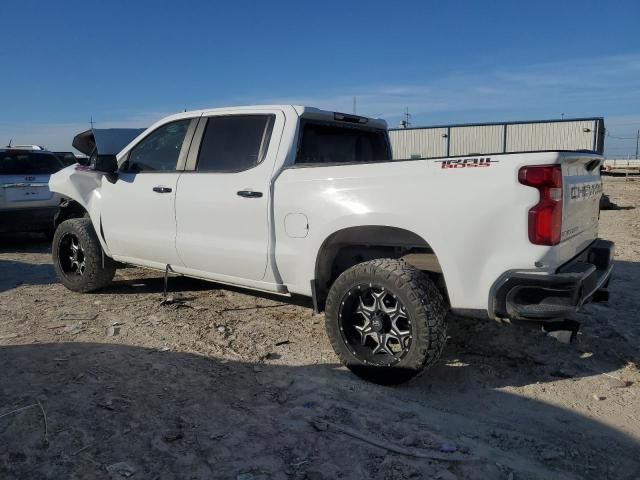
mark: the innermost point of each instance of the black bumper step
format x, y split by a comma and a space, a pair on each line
543, 297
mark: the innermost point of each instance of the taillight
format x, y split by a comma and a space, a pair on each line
545, 218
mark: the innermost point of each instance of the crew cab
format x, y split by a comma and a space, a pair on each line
298, 201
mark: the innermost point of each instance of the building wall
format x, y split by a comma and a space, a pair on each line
482, 139
476, 140
421, 143
525, 137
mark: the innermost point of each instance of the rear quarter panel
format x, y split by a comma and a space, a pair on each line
474, 218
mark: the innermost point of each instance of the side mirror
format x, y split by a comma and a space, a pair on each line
104, 163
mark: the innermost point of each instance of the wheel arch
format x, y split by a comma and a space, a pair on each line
81, 190
69, 209
352, 245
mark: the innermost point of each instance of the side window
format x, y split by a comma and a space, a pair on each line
160, 150
234, 143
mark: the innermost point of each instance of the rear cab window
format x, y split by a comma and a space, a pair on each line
29, 163
323, 143
234, 143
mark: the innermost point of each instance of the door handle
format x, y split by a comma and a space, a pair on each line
249, 194
162, 189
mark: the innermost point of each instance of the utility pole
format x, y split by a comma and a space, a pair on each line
405, 123
91, 122
407, 115
637, 142
354, 104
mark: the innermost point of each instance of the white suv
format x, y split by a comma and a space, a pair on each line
26, 203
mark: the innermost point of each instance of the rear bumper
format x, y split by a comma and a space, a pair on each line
540, 297
27, 219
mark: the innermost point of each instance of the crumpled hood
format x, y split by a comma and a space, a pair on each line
108, 141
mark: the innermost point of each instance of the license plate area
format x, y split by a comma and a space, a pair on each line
26, 193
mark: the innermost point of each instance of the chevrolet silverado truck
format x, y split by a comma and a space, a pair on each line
299, 201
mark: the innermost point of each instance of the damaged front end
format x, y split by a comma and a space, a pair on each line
80, 184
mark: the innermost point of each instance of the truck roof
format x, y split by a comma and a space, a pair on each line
301, 110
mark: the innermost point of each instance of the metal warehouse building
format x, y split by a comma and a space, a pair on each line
492, 138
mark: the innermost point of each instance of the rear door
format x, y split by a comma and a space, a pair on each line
222, 207
24, 179
138, 208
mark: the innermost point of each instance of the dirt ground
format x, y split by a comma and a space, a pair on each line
229, 385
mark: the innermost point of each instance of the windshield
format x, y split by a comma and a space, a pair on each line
330, 143
28, 163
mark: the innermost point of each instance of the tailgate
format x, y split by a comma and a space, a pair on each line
582, 189
24, 190
24, 178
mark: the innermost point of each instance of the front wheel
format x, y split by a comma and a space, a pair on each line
386, 320
78, 259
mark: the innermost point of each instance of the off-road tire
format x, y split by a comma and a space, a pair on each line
99, 268
423, 302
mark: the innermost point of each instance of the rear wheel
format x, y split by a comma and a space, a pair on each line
78, 259
386, 320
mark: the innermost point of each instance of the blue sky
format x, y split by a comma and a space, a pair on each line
128, 63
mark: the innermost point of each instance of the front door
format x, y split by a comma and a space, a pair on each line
138, 213
222, 208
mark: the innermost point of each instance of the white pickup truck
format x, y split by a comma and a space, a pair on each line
299, 201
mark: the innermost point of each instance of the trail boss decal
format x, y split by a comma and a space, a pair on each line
467, 162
